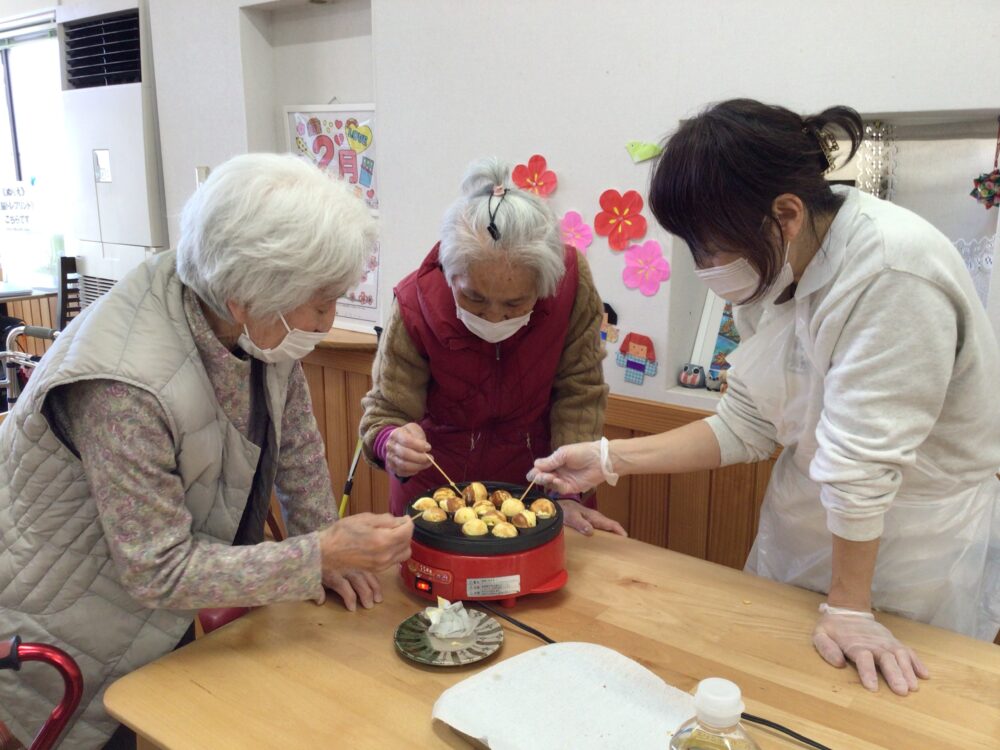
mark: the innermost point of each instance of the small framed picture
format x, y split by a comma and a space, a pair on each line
341, 139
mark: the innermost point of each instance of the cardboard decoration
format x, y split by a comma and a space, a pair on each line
620, 218
638, 357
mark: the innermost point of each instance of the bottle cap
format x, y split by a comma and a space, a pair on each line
717, 702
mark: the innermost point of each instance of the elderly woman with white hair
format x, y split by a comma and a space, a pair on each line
138, 465
491, 354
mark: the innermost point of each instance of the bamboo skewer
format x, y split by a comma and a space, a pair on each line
455, 486
527, 490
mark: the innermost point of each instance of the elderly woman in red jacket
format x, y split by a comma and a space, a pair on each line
491, 354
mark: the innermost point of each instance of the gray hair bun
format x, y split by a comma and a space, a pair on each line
481, 177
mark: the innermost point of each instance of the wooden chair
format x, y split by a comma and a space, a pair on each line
68, 303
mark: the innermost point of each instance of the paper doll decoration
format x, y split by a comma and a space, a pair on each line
638, 358
608, 321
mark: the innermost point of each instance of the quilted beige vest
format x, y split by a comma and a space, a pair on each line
58, 584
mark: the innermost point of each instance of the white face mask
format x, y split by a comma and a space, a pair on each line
737, 281
296, 344
492, 332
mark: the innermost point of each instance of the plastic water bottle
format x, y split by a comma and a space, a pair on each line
716, 723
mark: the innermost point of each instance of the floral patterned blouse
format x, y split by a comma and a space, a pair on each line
120, 433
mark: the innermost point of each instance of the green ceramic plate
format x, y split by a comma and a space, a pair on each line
414, 642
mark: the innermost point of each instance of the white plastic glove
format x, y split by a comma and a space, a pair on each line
575, 468
843, 635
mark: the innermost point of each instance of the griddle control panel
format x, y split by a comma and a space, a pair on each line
427, 573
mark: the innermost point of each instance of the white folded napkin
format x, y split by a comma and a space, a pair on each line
566, 696
449, 620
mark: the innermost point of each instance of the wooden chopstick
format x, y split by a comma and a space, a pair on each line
527, 490
455, 486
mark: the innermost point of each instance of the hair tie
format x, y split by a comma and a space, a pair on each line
499, 191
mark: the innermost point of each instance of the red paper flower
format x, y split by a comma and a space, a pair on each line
621, 220
534, 176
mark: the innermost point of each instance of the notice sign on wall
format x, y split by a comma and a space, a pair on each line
17, 207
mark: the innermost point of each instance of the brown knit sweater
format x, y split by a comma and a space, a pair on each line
579, 394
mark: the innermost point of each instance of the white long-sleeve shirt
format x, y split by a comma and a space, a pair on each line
904, 369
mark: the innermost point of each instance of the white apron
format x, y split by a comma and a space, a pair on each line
938, 560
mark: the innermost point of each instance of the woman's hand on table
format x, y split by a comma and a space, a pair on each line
354, 586
858, 638
571, 469
585, 519
365, 542
406, 450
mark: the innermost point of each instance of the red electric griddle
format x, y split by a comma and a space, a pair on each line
449, 564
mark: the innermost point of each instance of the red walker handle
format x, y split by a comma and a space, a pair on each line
13, 653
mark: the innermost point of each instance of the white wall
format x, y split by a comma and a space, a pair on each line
324, 52
199, 91
225, 68
572, 79
575, 80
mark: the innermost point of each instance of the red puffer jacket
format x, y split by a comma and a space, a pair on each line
487, 414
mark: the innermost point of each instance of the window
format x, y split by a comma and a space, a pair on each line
32, 153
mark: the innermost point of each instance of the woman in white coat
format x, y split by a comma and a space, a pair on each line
865, 355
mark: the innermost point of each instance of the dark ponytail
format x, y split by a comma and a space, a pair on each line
716, 180
844, 119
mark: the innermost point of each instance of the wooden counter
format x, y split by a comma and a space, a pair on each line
708, 514
340, 339
298, 675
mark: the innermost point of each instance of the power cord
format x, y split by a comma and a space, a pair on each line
516, 623
748, 717
791, 733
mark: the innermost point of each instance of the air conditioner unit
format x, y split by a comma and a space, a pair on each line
109, 104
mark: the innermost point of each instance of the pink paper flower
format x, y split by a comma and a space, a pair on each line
535, 176
575, 231
645, 267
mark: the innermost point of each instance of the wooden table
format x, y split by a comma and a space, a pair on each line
302, 676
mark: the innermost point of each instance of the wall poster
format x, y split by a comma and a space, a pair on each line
341, 139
